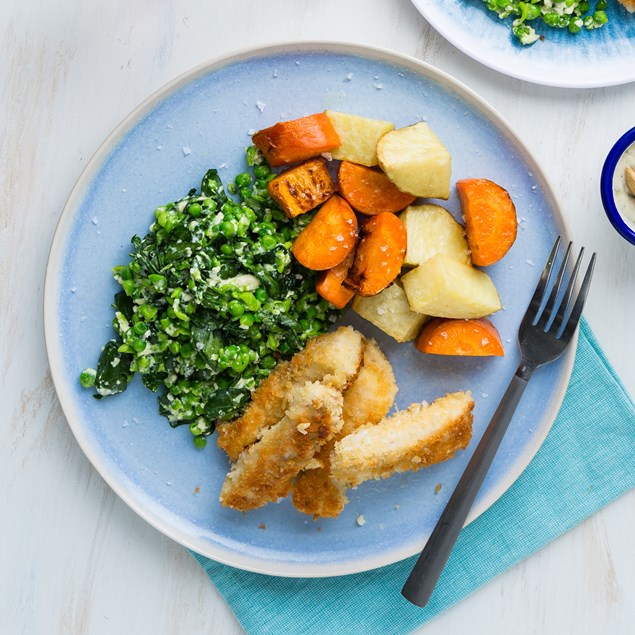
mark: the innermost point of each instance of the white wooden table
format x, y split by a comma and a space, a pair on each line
73, 558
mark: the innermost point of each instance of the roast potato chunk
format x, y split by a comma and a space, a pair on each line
390, 312
432, 230
416, 161
443, 287
358, 137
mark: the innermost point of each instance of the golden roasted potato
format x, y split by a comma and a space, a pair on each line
432, 230
358, 137
416, 161
444, 287
390, 312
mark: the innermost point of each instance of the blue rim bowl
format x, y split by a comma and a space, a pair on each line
606, 186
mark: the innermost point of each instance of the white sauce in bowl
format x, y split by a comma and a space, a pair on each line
624, 200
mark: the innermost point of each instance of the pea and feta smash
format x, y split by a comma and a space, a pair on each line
211, 300
574, 15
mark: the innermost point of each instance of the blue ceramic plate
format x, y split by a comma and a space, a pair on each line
601, 57
156, 155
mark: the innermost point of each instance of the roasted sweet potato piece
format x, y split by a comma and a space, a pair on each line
329, 283
379, 255
490, 219
370, 191
328, 238
297, 140
302, 188
446, 336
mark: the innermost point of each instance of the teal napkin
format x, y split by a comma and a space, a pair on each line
592, 442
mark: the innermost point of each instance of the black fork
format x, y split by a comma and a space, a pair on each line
545, 332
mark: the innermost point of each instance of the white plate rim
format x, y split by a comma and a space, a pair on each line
453, 36
52, 293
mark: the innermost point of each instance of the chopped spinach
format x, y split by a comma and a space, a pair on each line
211, 300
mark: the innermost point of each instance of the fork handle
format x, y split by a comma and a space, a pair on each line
427, 570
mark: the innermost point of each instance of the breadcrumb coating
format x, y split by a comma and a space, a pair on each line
264, 472
333, 358
367, 401
420, 436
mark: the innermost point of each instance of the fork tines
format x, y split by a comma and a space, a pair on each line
554, 310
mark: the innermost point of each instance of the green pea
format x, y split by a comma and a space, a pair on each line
200, 441
268, 242
261, 171
240, 363
139, 345
599, 17
143, 363
195, 209
247, 320
243, 179
261, 294
268, 362
226, 249
236, 308
174, 347
87, 377
228, 229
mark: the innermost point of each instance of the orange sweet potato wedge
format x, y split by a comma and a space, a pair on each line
370, 191
379, 255
302, 188
329, 283
296, 140
445, 336
330, 236
490, 219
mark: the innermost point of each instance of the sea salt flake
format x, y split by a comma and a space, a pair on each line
361, 521
484, 395
186, 151
530, 263
95, 220
260, 105
349, 77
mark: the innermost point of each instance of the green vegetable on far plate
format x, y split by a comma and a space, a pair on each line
211, 300
574, 15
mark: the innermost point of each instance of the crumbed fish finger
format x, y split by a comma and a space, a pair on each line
264, 472
420, 436
366, 401
333, 358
